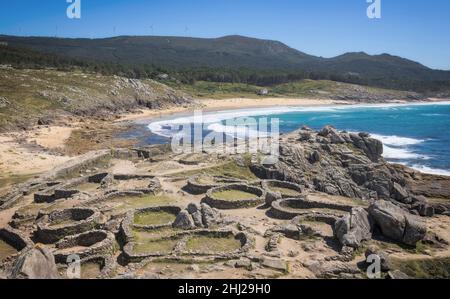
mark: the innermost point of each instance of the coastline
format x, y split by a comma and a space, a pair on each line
214, 105
29, 153
32, 152
211, 105
242, 109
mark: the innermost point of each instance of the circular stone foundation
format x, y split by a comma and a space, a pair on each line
85, 245
310, 209
223, 244
277, 190
200, 184
62, 223
140, 183
116, 205
154, 217
235, 196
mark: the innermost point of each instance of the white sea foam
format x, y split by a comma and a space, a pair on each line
163, 127
393, 153
212, 121
240, 132
426, 169
397, 140
396, 148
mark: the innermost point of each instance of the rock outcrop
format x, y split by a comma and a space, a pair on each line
396, 223
36, 263
351, 165
184, 220
197, 216
354, 228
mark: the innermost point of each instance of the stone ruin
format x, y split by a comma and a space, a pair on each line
309, 209
61, 223
200, 184
67, 220
258, 197
95, 242
277, 190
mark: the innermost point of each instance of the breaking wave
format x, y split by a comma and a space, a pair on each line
429, 170
399, 149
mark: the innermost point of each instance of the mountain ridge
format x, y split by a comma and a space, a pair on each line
236, 52
226, 38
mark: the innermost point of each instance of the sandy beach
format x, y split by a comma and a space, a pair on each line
232, 103
35, 151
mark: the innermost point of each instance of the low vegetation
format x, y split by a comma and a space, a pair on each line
149, 246
153, 218
428, 268
232, 195
285, 191
306, 88
126, 203
212, 244
29, 96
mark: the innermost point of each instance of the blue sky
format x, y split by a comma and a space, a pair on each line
414, 29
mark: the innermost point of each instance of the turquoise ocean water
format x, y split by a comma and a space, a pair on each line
416, 135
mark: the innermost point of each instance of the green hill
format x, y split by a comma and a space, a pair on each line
238, 59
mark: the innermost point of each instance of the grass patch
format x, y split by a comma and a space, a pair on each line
216, 90
153, 218
212, 244
432, 268
149, 246
317, 89
421, 248
142, 235
286, 191
148, 241
232, 195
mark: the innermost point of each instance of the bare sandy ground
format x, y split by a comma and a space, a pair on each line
18, 160
50, 137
